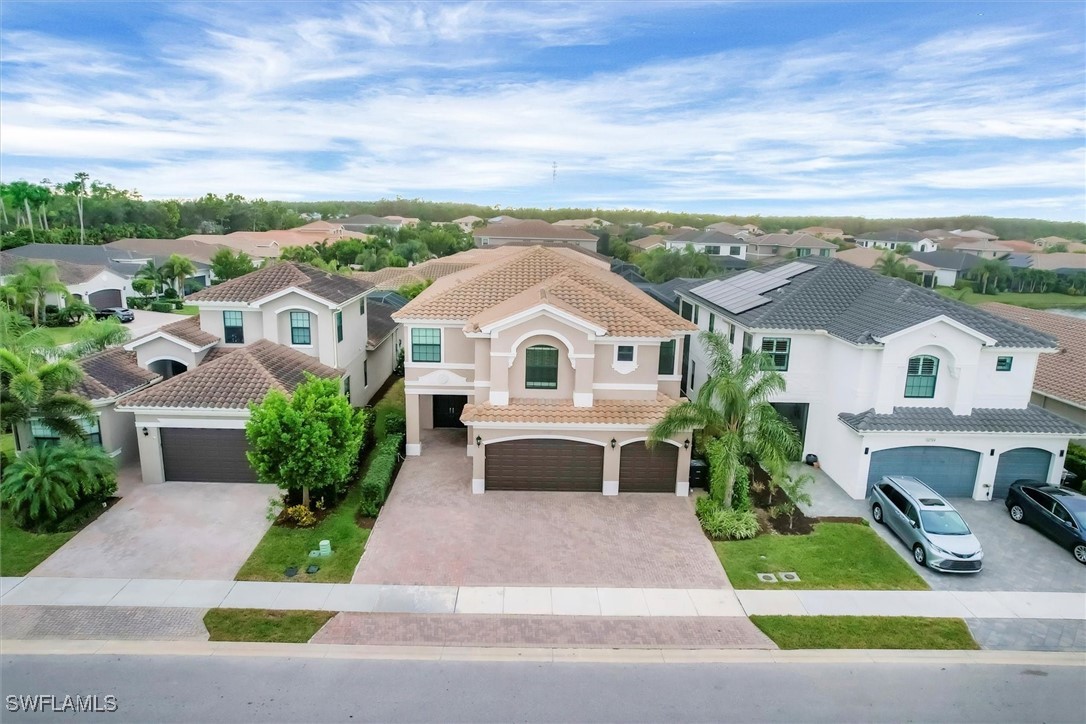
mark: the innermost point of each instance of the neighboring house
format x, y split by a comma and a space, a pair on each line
558, 369
975, 234
591, 223
262, 245
712, 243
894, 239
1061, 262
97, 285
950, 266
751, 229
777, 245
362, 223
395, 277
828, 233
467, 223
383, 343
503, 219
868, 257
115, 269
648, 243
1046, 242
197, 251
724, 227
885, 378
667, 293
403, 221
984, 248
1058, 385
255, 333
662, 226
533, 231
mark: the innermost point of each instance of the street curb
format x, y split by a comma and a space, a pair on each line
38, 647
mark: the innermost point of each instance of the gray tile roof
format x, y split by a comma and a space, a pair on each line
379, 323
708, 237
1031, 419
899, 235
121, 261
859, 305
946, 259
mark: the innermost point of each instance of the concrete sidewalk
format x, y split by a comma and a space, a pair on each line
538, 601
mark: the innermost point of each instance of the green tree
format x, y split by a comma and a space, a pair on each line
228, 264
732, 411
410, 291
308, 440
990, 270
662, 265
153, 273
36, 280
891, 264
19, 336
177, 269
94, 336
48, 481
32, 389
77, 188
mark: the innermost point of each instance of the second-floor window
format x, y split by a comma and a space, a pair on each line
233, 328
922, 374
299, 328
425, 345
667, 358
541, 368
1003, 364
778, 349
712, 322
339, 326
748, 343
625, 353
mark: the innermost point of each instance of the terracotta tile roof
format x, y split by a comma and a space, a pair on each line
110, 373
1059, 260
1061, 374
234, 380
334, 288
647, 242
543, 274
189, 330
533, 229
563, 412
396, 277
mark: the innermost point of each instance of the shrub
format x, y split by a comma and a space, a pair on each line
1075, 462
161, 306
301, 516
169, 293
741, 492
719, 523
45, 484
395, 423
137, 302
178, 304
379, 476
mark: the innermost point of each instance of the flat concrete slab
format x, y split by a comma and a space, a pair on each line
622, 602
669, 602
434, 531
252, 594
298, 597
523, 600
146, 592
199, 594
170, 530
575, 602
7, 583
416, 599
480, 599
716, 603
352, 597
771, 603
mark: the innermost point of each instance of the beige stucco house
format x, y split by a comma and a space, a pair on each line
532, 231
555, 367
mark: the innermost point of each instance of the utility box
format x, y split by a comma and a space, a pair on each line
699, 474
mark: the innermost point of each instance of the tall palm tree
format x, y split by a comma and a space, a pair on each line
19, 335
94, 336
894, 265
77, 187
31, 389
177, 269
990, 269
48, 481
152, 272
36, 280
732, 406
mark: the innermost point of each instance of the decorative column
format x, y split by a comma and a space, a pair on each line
682, 475
414, 437
611, 464
478, 470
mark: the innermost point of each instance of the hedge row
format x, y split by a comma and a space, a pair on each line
383, 466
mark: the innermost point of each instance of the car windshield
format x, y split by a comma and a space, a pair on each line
943, 522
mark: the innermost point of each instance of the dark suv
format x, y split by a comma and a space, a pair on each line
125, 315
1059, 513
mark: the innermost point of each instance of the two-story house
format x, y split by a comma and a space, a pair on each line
256, 333
770, 246
532, 231
713, 243
556, 367
884, 377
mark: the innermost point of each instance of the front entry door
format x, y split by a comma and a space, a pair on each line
447, 410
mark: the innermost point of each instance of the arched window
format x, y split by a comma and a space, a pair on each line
920, 380
541, 368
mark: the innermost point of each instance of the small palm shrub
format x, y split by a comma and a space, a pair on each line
720, 523
45, 484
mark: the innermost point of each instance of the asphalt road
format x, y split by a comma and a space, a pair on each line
237, 689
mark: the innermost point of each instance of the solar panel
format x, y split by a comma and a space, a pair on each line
743, 292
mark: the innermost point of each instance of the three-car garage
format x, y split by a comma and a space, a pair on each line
953, 472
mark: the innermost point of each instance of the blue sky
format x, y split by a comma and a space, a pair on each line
874, 109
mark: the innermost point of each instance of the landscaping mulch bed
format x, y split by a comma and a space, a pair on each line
799, 524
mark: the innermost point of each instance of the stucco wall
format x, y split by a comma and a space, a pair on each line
157, 349
118, 434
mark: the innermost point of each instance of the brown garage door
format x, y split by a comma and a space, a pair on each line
205, 456
544, 465
642, 470
105, 298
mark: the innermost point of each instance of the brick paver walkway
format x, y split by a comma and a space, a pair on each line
433, 531
1016, 634
100, 622
394, 629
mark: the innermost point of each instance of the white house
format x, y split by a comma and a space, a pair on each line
897, 240
884, 377
712, 243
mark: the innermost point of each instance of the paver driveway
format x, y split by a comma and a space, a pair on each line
433, 531
171, 530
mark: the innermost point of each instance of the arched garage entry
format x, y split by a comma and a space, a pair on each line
1021, 463
949, 471
544, 464
105, 298
645, 470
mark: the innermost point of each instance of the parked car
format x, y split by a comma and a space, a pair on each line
125, 315
1059, 513
936, 533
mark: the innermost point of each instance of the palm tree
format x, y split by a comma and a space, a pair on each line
36, 280
48, 481
989, 269
151, 272
77, 187
21, 193
894, 265
76, 310
36, 390
19, 335
94, 336
177, 269
732, 406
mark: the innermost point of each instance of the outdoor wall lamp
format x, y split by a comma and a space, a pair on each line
145, 432
478, 440
614, 442
686, 443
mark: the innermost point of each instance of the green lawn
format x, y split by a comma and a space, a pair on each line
188, 309
866, 632
61, 335
1048, 300
21, 551
835, 556
257, 624
282, 547
7, 443
393, 399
